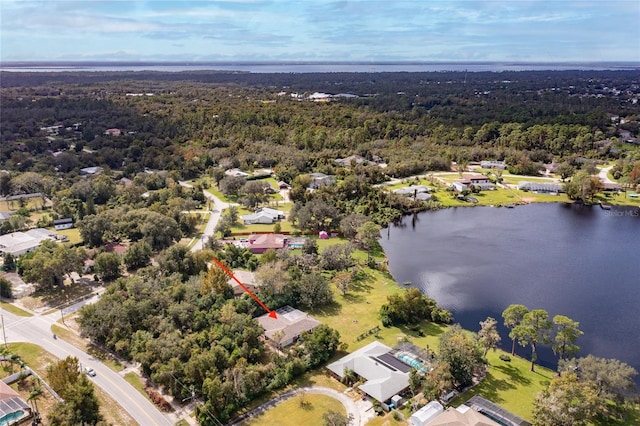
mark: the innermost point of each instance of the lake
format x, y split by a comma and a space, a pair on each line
582, 262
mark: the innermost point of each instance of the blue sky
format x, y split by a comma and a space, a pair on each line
314, 30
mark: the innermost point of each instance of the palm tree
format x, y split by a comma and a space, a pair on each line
33, 400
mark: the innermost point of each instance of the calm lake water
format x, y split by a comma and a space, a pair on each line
582, 262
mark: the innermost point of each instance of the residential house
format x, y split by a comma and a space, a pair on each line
418, 192
283, 185
385, 374
319, 179
459, 185
289, 325
19, 243
352, 159
264, 215
493, 164
611, 187
113, 132
236, 173
495, 412
246, 278
259, 243
65, 223
13, 409
91, 170
461, 416
550, 168
480, 181
541, 187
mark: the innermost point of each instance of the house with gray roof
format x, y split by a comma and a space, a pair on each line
319, 179
541, 187
385, 374
289, 325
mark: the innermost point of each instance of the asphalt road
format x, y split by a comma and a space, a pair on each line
210, 229
37, 330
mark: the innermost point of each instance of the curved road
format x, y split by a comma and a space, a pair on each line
349, 405
602, 174
216, 212
37, 330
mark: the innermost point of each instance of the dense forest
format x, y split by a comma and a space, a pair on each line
415, 122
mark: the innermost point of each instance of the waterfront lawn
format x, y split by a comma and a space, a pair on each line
357, 313
298, 411
510, 384
620, 199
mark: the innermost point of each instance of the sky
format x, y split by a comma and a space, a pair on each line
316, 30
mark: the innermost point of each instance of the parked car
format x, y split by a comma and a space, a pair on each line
90, 371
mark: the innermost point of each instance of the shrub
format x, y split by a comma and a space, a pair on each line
5, 288
505, 358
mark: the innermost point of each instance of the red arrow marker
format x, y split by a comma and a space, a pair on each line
272, 314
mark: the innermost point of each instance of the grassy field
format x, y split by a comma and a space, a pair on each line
31, 204
357, 312
621, 199
510, 384
72, 234
299, 410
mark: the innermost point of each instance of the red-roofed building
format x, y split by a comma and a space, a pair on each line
115, 248
259, 243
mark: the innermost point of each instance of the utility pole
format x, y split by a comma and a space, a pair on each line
4, 335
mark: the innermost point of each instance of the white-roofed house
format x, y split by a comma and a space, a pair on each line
264, 215
19, 243
385, 374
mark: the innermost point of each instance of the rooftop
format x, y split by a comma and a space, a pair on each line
291, 321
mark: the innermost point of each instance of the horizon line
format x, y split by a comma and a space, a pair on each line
14, 63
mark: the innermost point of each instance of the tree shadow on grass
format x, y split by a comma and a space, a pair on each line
513, 373
360, 287
353, 298
425, 328
329, 310
490, 388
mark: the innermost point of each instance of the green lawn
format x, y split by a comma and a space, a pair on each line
72, 234
357, 312
511, 384
621, 199
15, 310
295, 413
136, 381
